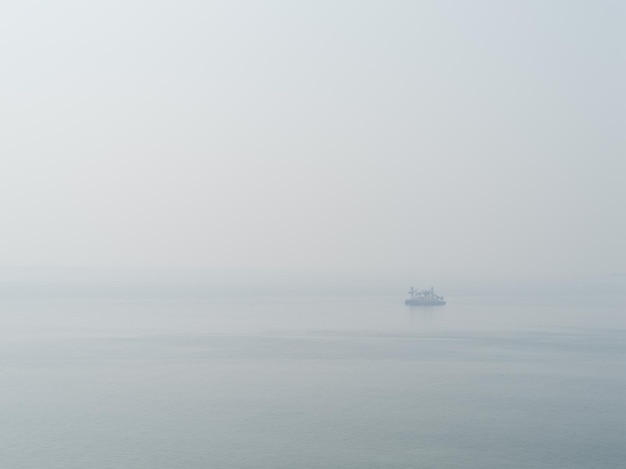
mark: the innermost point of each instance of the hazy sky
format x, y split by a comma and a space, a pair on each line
453, 136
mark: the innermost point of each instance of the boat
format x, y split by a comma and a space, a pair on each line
424, 298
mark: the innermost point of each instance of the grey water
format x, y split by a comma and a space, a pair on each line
108, 377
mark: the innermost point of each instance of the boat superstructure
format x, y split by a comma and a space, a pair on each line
424, 297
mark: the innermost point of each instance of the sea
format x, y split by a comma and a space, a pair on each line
509, 375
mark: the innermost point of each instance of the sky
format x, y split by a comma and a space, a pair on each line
434, 136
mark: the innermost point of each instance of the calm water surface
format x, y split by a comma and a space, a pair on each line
314, 381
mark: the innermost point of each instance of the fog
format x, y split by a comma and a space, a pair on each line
356, 136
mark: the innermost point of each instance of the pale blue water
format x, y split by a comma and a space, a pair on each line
514, 380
